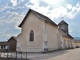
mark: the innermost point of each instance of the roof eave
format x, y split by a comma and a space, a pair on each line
24, 18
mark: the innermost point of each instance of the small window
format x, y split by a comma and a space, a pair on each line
31, 35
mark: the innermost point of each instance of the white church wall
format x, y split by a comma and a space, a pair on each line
52, 36
32, 23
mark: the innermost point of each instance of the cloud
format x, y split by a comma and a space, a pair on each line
67, 11
4, 7
13, 15
73, 28
53, 3
10, 18
14, 2
13, 18
9, 34
69, 6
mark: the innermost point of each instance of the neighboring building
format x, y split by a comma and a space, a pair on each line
9, 45
40, 34
4, 46
76, 42
12, 44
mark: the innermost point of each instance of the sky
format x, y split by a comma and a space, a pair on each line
12, 13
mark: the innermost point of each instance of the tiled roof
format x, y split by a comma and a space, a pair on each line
77, 41
4, 43
76, 38
13, 37
40, 16
64, 34
62, 22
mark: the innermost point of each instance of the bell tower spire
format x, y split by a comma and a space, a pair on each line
62, 18
64, 26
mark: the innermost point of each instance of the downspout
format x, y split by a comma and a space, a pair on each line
45, 38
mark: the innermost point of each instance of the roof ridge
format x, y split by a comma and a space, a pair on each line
48, 19
39, 15
62, 22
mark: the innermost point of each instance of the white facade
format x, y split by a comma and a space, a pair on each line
46, 35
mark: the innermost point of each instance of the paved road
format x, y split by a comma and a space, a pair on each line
73, 54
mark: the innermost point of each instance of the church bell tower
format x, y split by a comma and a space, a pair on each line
63, 26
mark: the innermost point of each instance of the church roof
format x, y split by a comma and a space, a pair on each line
64, 34
40, 16
62, 22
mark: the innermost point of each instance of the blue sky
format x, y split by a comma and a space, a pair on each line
12, 13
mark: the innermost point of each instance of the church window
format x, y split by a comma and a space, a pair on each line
31, 35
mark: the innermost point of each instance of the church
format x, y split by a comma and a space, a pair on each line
41, 34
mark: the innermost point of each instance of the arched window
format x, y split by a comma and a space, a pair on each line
31, 35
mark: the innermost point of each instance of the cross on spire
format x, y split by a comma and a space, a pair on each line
62, 18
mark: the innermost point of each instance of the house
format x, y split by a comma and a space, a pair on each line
9, 45
65, 39
76, 42
4, 46
12, 43
41, 34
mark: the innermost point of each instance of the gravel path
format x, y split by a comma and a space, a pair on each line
73, 54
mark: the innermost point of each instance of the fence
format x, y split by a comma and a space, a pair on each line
16, 55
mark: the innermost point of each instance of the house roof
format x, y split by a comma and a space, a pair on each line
39, 15
64, 34
76, 38
62, 22
13, 37
76, 41
4, 43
